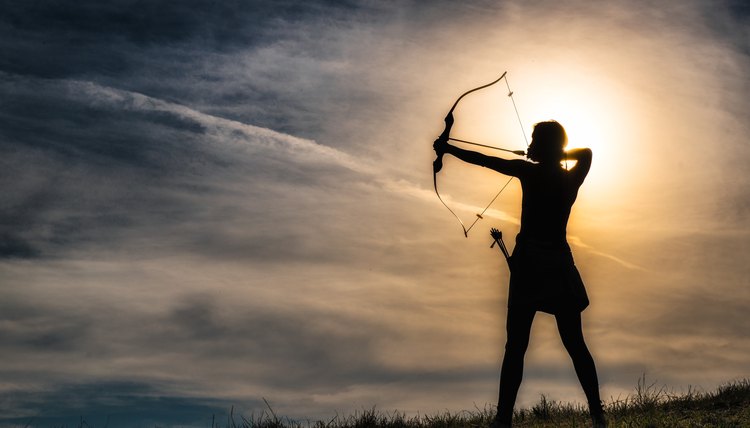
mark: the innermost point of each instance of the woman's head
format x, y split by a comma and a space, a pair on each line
548, 142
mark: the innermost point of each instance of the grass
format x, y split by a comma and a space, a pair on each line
650, 407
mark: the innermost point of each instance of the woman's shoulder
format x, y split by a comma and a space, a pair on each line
522, 167
513, 167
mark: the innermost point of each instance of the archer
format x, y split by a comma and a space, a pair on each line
543, 274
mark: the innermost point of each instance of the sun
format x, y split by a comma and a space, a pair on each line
588, 110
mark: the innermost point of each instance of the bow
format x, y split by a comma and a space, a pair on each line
437, 165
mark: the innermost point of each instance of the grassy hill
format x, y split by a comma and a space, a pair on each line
650, 406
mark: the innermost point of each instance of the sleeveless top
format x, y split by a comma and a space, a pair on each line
543, 274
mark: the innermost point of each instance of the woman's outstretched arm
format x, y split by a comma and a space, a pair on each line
503, 166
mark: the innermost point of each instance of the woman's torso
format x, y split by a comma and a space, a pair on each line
548, 195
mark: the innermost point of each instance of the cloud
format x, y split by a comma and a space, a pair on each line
113, 160
104, 38
104, 403
578, 243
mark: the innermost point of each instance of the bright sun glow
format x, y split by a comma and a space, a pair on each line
585, 106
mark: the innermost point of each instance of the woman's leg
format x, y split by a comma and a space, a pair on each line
571, 333
518, 328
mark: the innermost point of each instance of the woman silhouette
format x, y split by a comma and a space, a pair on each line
543, 275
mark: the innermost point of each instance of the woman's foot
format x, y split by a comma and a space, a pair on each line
497, 424
596, 410
598, 421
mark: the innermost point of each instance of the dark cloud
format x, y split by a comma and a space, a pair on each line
730, 23
38, 327
253, 61
100, 166
59, 39
314, 352
55, 118
107, 403
12, 246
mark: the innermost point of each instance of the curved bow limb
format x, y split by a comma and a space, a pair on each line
437, 165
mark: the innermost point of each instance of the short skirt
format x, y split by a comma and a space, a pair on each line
544, 277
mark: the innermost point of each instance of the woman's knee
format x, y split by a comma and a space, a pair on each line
518, 329
516, 345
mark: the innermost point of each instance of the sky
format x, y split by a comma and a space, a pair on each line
208, 204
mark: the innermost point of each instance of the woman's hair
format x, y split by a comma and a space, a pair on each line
548, 141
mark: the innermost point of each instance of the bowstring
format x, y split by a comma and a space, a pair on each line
480, 216
510, 94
